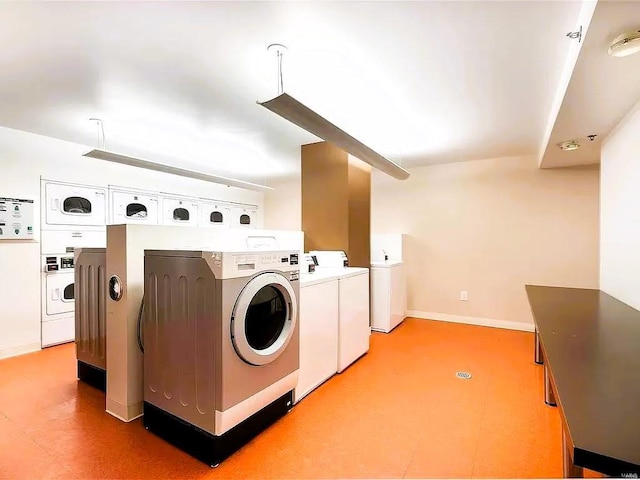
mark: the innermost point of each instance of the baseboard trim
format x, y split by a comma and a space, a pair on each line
480, 321
126, 413
20, 350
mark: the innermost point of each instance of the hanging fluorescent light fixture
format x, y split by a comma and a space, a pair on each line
104, 154
292, 110
160, 167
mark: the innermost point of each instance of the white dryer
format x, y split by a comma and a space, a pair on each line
244, 216
221, 363
58, 299
179, 211
215, 214
66, 204
58, 282
133, 206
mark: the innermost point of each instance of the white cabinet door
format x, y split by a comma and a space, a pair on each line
67, 204
354, 330
318, 336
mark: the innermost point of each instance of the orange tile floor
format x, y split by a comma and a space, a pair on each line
399, 412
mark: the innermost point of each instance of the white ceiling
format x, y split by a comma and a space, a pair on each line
421, 82
602, 88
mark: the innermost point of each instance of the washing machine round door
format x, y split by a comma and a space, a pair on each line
264, 318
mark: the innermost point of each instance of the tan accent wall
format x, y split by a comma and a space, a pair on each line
336, 198
486, 226
359, 211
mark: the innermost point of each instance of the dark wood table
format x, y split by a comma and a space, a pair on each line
590, 346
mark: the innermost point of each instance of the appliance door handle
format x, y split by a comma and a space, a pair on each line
55, 294
55, 204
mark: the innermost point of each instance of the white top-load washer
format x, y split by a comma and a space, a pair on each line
319, 317
353, 304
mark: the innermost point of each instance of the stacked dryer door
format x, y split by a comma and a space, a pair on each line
215, 214
72, 216
90, 315
67, 205
131, 206
244, 216
179, 211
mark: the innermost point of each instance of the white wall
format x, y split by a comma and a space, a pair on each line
24, 159
485, 226
620, 211
283, 205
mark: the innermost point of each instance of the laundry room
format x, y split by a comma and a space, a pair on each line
319, 239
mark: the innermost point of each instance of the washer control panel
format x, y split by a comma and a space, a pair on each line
57, 263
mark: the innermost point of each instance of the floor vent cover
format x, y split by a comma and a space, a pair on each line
463, 375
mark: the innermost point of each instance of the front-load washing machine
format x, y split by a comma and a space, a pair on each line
90, 315
221, 346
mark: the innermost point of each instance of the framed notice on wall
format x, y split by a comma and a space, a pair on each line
16, 219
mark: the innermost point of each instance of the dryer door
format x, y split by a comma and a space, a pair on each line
74, 205
133, 207
264, 318
60, 293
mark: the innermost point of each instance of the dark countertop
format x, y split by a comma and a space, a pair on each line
591, 343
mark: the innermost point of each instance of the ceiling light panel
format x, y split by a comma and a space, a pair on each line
625, 45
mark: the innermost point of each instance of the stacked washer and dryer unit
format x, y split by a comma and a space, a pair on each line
221, 346
72, 216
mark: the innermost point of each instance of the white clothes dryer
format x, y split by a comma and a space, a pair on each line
58, 299
244, 216
66, 204
215, 214
180, 211
131, 206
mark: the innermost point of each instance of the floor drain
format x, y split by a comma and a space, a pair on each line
464, 375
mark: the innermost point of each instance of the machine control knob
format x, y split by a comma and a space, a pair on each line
115, 288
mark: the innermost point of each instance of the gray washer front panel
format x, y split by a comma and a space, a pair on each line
191, 368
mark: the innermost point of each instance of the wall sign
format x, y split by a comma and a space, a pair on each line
16, 219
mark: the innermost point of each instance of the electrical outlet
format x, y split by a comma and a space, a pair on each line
464, 296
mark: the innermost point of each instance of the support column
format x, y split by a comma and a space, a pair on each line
336, 202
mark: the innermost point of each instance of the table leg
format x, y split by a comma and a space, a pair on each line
549, 395
537, 350
569, 470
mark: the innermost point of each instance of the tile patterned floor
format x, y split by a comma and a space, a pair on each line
399, 412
